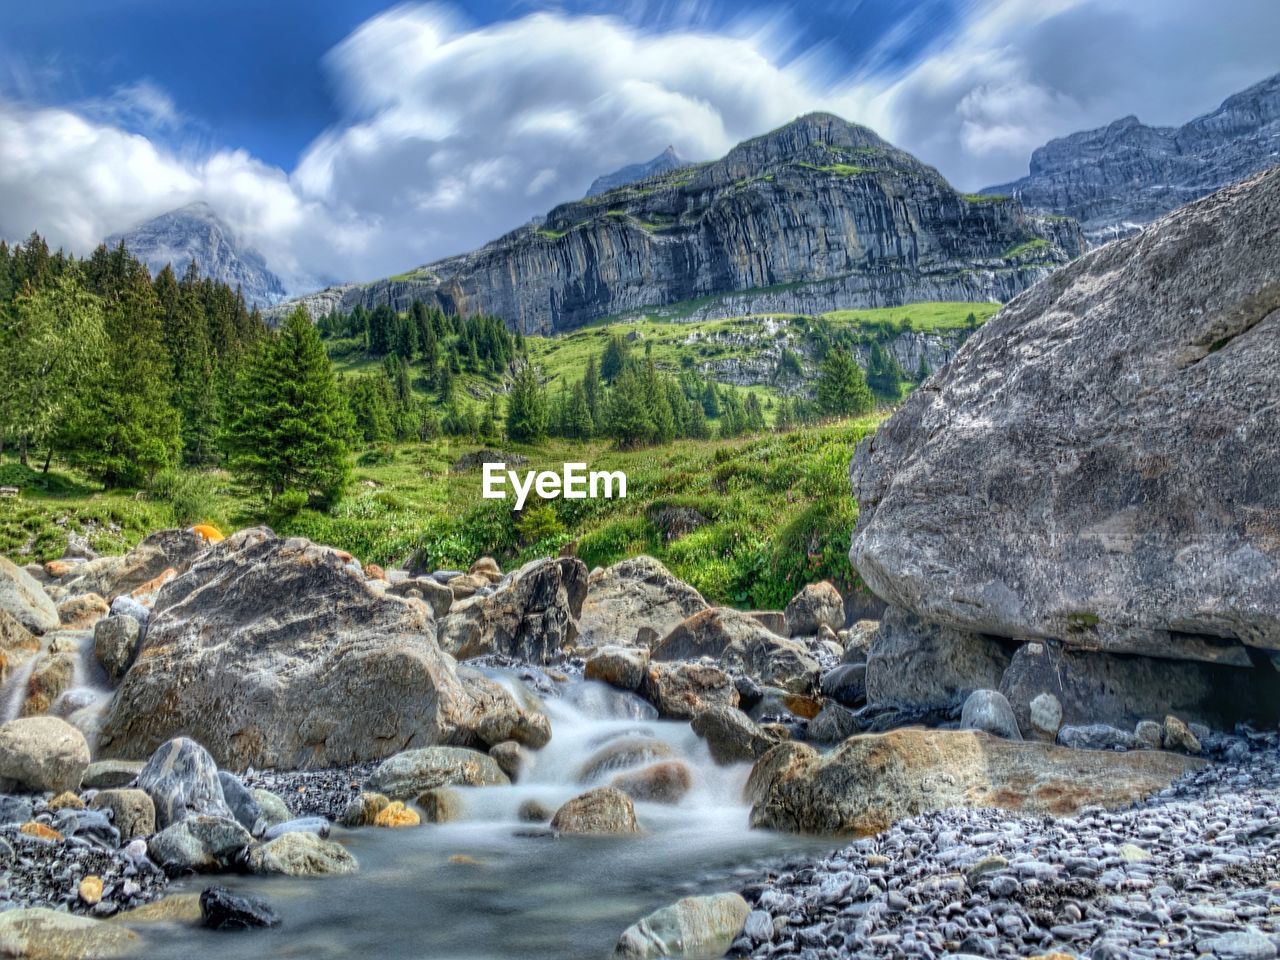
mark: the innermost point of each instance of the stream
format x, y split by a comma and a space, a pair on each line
489, 885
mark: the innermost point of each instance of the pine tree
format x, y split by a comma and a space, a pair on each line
186, 339
579, 424
290, 430
630, 416
842, 388
614, 359
527, 415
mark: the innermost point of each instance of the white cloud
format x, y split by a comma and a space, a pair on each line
454, 134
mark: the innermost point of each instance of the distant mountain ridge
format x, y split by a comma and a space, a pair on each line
1117, 178
196, 233
668, 159
820, 214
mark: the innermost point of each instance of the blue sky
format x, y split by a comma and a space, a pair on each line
348, 141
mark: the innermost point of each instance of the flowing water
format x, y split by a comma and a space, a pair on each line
84, 701
490, 886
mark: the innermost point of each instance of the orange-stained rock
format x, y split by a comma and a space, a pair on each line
154, 584
40, 831
66, 801
396, 814
208, 532
91, 889
374, 572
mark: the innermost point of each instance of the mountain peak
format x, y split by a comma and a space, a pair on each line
668, 159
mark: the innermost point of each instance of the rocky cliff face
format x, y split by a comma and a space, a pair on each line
1119, 177
195, 233
1100, 465
668, 159
817, 215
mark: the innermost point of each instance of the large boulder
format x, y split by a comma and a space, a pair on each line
301, 854
742, 644
17, 644
1100, 463
604, 810
531, 616
277, 653
871, 781
635, 602
692, 928
926, 665
731, 736
22, 597
817, 605
37, 933
408, 774
41, 754
199, 845
164, 550
680, 691
115, 643
182, 780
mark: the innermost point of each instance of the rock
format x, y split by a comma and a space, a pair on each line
132, 811
636, 594
833, 724
622, 753
775, 704
90, 825
40, 831
274, 810
846, 684
25, 600
603, 810
486, 567
871, 781
104, 774
199, 844
1248, 944
436, 595
535, 811
363, 810
66, 801
17, 644
510, 757
504, 714
374, 572
41, 754
37, 933
1149, 735
53, 675
1177, 736
532, 615
695, 927
301, 855
817, 605
14, 810
240, 801
82, 611
396, 815
1096, 736
111, 577
741, 644
730, 735
445, 805
989, 711
1120, 461
466, 586
665, 782
413, 772
683, 690
317, 825
918, 664
115, 643
220, 909
90, 890
773, 620
182, 780
180, 908
274, 654
621, 667
129, 607
857, 641
1044, 716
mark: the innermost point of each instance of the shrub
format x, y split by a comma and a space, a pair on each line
191, 497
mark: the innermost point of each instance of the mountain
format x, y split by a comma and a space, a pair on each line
818, 215
196, 233
1119, 177
668, 159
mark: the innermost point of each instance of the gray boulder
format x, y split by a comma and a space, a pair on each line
199, 845
731, 736
408, 774
741, 644
41, 754
833, 724
695, 927
680, 691
1096, 736
25, 600
435, 594
1091, 468
115, 643
817, 605
182, 780
618, 666
301, 854
277, 653
132, 812
846, 684
923, 664
604, 810
241, 802
637, 595
989, 711
111, 577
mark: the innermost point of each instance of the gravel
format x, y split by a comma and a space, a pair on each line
1191, 872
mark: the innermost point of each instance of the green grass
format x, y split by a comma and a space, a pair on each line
985, 197
924, 317
839, 169
1035, 245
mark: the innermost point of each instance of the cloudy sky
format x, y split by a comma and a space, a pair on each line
346, 139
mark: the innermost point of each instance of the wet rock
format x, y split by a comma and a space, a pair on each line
1044, 715
274, 810
846, 684
199, 844
115, 643
25, 600
182, 780
731, 736
637, 594
445, 805
363, 810
511, 758
317, 825
395, 816
603, 810
532, 615
535, 811
408, 774
989, 711
53, 676
925, 665
132, 812
817, 605
81, 612
621, 667
90, 890
41, 754
14, 809
740, 644
1096, 736
220, 909
1249, 944
773, 620
301, 855
1176, 735
833, 724
681, 691
275, 654
871, 781
623, 753
1149, 735
695, 927
665, 782
503, 713
38, 933
240, 801
104, 774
